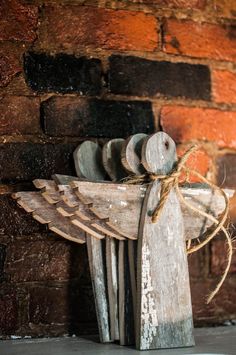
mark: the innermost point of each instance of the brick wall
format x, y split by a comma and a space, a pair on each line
72, 69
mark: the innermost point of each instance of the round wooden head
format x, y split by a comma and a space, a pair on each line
111, 156
88, 161
159, 153
131, 153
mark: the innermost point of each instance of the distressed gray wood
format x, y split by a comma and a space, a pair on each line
120, 202
45, 213
111, 202
82, 217
131, 153
125, 326
97, 271
126, 315
112, 285
164, 311
88, 163
111, 157
64, 179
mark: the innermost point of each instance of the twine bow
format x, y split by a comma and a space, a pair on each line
170, 181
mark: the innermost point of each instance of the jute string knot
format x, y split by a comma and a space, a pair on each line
170, 181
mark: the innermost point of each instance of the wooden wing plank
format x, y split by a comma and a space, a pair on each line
121, 203
43, 183
83, 209
30, 201
45, 213
53, 196
83, 212
205, 200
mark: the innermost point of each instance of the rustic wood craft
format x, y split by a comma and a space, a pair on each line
138, 268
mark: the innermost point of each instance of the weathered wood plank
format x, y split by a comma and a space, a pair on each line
131, 153
82, 217
126, 315
45, 213
164, 312
88, 163
96, 265
112, 285
122, 203
111, 157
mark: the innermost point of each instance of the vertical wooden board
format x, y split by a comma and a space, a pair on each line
132, 256
126, 315
88, 163
96, 264
112, 283
164, 316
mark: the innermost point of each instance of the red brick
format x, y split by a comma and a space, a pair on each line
200, 40
17, 21
232, 210
70, 26
19, 115
221, 308
225, 8
224, 86
9, 63
46, 259
189, 123
199, 161
182, 4
219, 253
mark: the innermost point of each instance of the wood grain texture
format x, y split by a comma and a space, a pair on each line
79, 213
111, 157
88, 161
164, 311
45, 213
158, 153
112, 285
131, 153
97, 271
126, 315
114, 198
120, 202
